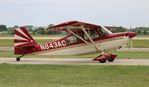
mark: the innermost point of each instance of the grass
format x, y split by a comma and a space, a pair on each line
121, 55
5, 35
142, 36
133, 55
73, 76
140, 43
6, 43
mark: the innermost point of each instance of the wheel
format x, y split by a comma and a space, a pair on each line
110, 59
102, 61
18, 59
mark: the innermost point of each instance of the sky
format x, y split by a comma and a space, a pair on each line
124, 13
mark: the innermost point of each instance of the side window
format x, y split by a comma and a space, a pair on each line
93, 34
71, 40
101, 32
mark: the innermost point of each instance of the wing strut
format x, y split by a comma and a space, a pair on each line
78, 37
96, 46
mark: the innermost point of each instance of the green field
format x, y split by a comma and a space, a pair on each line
6, 43
121, 55
73, 76
140, 43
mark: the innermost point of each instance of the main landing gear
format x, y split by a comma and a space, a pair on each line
18, 58
104, 57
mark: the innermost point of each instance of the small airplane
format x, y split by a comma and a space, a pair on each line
82, 38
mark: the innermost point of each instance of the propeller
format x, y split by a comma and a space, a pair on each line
129, 44
130, 36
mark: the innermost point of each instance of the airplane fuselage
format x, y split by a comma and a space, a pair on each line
62, 47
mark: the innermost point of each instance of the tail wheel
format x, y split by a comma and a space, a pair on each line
18, 59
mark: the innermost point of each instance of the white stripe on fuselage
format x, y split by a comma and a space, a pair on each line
106, 44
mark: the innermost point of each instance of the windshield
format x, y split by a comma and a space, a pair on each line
104, 31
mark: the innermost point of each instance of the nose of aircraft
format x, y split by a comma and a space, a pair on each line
132, 34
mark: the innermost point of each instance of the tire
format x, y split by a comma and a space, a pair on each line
110, 60
18, 59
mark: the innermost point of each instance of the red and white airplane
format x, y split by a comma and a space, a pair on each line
82, 38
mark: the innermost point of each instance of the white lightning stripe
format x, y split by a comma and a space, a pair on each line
19, 37
16, 44
19, 30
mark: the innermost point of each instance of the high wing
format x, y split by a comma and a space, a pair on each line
74, 26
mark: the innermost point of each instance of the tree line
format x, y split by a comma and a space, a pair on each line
44, 31
33, 30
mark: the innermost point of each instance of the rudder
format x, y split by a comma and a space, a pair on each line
22, 41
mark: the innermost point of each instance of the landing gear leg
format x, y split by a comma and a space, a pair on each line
18, 58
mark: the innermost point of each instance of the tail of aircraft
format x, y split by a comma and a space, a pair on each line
23, 41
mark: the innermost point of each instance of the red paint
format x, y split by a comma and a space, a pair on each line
104, 57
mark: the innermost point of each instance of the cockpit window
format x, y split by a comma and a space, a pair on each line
71, 40
103, 31
93, 34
